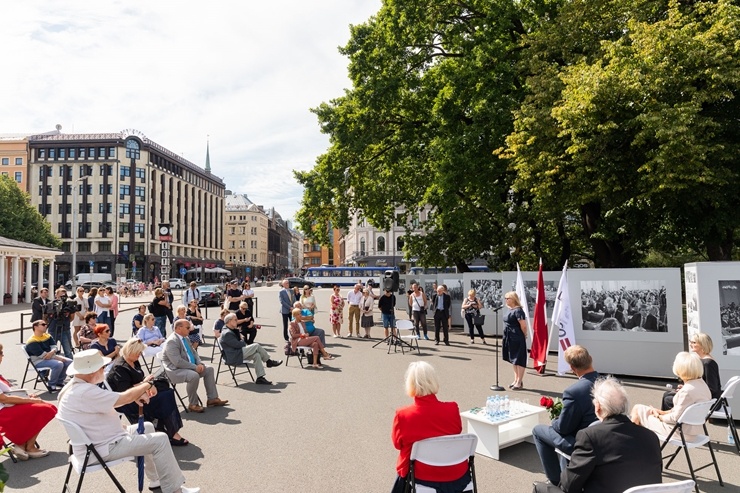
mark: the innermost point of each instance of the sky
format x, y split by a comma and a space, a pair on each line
240, 74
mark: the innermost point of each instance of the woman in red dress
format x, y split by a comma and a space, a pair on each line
22, 419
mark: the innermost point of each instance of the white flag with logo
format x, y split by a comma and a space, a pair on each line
562, 319
522, 294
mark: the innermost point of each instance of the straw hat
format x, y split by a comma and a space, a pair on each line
87, 362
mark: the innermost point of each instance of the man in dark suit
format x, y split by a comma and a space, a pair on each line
286, 306
236, 351
441, 303
577, 413
643, 320
614, 454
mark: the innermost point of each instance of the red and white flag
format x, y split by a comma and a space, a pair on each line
540, 338
562, 320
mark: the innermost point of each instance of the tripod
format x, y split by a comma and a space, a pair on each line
393, 340
496, 387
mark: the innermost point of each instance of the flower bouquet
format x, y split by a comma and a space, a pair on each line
554, 407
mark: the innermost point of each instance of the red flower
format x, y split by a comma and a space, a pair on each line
543, 401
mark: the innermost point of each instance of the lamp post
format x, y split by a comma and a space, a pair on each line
74, 229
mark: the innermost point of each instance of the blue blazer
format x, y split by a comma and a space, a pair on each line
578, 411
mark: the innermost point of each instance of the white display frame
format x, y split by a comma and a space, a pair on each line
489, 328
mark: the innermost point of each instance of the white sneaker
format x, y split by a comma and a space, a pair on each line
189, 490
153, 485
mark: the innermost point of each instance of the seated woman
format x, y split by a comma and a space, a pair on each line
218, 325
426, 418
195, 316
126, 372
246, 323
86, 334
689, 368
138, 321
105, 343
150, 336
22, 417
701, 344
299, 337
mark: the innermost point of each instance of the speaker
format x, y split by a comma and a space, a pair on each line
391, 282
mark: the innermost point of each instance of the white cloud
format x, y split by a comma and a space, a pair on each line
245, 73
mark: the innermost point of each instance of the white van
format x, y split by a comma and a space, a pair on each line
89, 277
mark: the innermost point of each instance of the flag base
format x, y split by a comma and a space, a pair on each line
497, 388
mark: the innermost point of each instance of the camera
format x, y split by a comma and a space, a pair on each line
62, 308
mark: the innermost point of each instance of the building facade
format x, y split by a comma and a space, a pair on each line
106, 195
14, 159
245, 236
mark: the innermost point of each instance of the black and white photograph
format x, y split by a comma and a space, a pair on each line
530, 288
454, 288
729, 309
489, 291
430, 287
692, 301
616, 305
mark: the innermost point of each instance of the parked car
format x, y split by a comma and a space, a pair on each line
87, 286
211, 295
299, 281
177, 283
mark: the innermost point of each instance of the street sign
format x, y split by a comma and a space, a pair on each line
92, 263
183, 271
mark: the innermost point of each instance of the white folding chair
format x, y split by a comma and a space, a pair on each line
694, 415
300, 352
412, 336
230, 368
679, 487
42, 374
78, 437
442, 451
159, 359
721, 409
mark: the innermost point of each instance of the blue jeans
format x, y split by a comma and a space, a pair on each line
546, 440
389, 321
161, 323
60, 331
58, 369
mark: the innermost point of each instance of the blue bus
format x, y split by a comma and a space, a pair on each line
346, 276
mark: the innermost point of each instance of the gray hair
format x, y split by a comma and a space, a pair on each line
228, 318
611, 396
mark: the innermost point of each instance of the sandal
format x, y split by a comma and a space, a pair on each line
328, 357
318, 367
178, 443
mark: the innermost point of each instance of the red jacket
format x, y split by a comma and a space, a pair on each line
427, 417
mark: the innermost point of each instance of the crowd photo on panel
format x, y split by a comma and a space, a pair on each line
596, 441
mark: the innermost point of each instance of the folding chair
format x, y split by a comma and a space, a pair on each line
679, 487
442, 451
159, 357
721, 409
150, 352
7, 445
696, 414
230, 368
42, 374
300, 352
78, 437
413, 335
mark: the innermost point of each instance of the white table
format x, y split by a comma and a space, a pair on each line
495, 435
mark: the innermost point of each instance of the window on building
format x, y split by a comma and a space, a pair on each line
66, 247
52, 153
254, 231
103, 208
140, 192
111, 152
83, 152
315, 261
104, 246
232, 244
83, 247
139, 209
19, 161
6, 161
133, 149
139, 248
141, 174
139, 229
399, 220
124, 190
65, 208
362, 246
48, 189
18, 176
73, 153
254, 257
123, 228
41, 153
232, 230
62, 153
254, 244
125, 171
381, 244
399, 243
124, 208
105, 227
243, 244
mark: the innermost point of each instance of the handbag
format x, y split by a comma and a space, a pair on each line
479, 319
161, 383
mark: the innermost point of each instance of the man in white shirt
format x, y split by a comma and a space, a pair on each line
92, 408
354, 298
191, 294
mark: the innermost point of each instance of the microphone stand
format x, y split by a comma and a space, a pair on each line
497, 387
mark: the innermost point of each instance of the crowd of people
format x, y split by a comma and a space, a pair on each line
638, 310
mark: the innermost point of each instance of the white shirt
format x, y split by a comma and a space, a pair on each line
354, 298
191, 294
103, 299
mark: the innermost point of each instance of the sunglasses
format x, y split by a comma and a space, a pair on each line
42, 324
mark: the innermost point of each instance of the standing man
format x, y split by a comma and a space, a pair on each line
613, 455
170, 299
59, 314
354, 298
236, 351
182, 364
233, 297
191, 294
286, 306
92, 408
387, 305
38, 307
441, 301
578, 412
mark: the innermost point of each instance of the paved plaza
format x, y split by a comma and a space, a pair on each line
328, 430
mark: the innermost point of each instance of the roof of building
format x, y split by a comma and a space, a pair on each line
7, 242
238, 202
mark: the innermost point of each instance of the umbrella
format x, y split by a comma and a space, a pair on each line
140, 459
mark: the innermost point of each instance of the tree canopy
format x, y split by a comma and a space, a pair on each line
601, 129
19, 220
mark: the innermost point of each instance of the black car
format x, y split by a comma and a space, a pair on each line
210, 295
299, 281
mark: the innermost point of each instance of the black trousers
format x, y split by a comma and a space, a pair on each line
441, 319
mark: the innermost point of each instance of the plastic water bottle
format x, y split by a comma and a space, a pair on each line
506, 406
489, 407
730, 437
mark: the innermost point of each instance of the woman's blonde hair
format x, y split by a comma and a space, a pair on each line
688, 366
296, 312
148, 316
472, 291
421, 379
514, 297
158, 292
132, 347
704, 341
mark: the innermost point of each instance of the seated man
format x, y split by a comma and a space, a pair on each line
613, 455
236, 350
577, 413
92, 408
182, 364
42, 348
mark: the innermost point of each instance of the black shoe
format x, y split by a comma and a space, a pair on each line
436, 343
271, 363
447, 343
262, 381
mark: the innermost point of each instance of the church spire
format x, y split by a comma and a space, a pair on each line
208, 155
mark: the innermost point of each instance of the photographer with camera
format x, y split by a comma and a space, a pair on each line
60, 313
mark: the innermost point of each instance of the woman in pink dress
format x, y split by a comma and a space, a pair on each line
335, 315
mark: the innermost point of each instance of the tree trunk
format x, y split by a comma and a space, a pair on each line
719, 246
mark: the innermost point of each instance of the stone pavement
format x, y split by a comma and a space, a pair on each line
328, 430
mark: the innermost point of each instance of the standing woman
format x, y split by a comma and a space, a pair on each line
514, 347
91, 299
79, 317
418, 302
196, 317
102, 306
308, 300
113, 313
158, 307
335, 315
471, 307
248, 295
366, 312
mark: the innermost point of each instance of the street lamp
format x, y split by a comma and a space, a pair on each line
74, 229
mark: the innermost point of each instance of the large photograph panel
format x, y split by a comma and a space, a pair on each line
729, 309
624, 305
489, 291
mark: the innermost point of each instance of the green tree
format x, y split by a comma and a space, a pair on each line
19, 220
